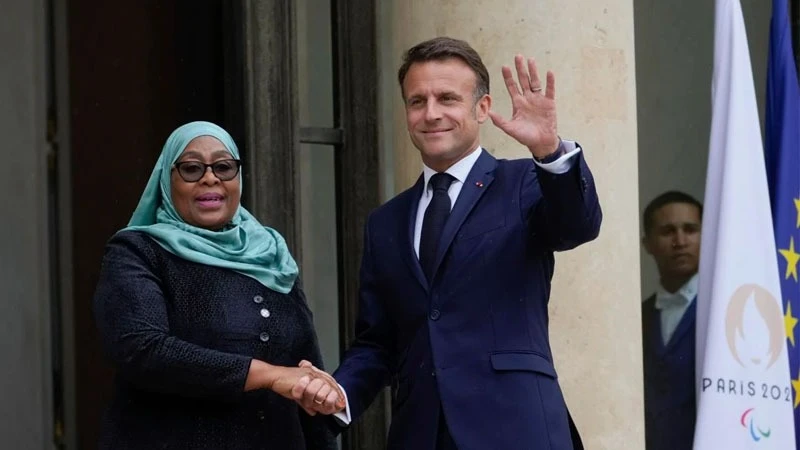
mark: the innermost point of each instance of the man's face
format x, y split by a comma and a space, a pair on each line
674, 240
442, 115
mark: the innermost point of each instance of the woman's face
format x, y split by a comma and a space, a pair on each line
209, 202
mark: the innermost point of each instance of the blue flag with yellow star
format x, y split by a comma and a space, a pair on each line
782, 152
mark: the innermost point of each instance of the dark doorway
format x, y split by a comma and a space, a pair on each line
137, 70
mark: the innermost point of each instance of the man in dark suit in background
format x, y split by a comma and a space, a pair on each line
456, 271
672, 236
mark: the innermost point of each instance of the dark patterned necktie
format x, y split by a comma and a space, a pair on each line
433, 222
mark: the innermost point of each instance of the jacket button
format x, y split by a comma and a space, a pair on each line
258, 299
435, 314
264, 337
264, 313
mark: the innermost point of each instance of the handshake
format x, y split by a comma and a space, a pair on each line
313, 389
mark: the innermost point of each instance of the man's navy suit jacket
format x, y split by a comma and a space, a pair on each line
474, 340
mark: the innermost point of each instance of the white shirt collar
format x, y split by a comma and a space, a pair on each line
459, 170
682, 296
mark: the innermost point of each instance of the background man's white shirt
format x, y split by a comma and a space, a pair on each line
673, 305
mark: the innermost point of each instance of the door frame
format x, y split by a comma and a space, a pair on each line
273, 136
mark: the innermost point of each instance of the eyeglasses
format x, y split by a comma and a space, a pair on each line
192, 171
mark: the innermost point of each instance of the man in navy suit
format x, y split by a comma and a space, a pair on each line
672, 236
455, 275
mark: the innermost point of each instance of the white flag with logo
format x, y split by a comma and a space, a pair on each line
743, 389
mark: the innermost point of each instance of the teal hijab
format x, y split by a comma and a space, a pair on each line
245, 246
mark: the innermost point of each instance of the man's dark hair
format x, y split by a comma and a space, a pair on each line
665, 199
441, 48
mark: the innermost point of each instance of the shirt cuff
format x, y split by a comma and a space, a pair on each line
565, 162
343, 416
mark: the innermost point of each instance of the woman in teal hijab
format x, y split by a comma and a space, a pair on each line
200, 309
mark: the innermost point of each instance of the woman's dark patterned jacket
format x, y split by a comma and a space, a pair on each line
181, 336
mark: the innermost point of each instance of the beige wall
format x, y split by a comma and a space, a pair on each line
595, 302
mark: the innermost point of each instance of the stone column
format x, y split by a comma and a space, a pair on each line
270, 93
26, 376
595, 304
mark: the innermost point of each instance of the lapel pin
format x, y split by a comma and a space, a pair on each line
479, 184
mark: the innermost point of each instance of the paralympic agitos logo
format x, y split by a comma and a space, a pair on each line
748, 420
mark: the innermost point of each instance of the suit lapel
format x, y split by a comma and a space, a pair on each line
409, 255
653, 324
685, 325
477, 182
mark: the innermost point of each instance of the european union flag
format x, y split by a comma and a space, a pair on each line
782, 151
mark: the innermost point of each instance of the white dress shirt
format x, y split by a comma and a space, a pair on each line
460, 171
672, 306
